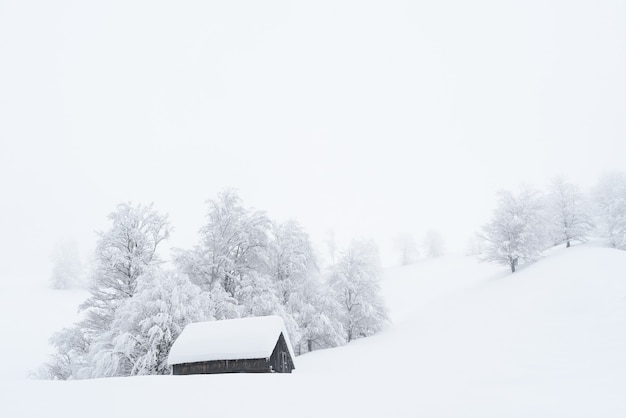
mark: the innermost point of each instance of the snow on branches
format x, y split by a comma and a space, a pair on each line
516, 232
244, 265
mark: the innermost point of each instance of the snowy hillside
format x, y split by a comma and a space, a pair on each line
467, 340
31, 312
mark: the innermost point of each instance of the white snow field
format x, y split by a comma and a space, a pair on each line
467, 340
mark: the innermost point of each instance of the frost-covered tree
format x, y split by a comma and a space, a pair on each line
257, 296
406, 247
318, 316
516, 232
123, 253
291, 261
354, 283
233, 243
70, 357
222, 305
610, 208
569, 212
433, 244
146, 325
67, 269
292, 265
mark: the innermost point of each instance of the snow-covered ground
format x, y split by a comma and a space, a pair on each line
30, 313
467, 340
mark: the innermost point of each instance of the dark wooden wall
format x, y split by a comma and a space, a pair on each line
276, 359
258, 365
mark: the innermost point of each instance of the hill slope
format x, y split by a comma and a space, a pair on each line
468, 339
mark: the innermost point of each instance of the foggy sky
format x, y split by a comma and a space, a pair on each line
366, 118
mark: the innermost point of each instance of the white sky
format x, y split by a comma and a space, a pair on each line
368, 118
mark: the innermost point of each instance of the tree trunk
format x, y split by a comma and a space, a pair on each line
567, 246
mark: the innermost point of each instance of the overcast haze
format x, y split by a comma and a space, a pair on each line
367, 118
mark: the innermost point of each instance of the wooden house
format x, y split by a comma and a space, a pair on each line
245, 345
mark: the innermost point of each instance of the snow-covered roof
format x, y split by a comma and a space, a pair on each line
230, 339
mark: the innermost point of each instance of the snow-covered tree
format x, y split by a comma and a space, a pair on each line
516, 232
71, 347
610, 207
257, 296
67, 270
569, 212
123, 254
433, 244
233, 243
292, 265
318, 316
406, 247
354, 283
146, 325
222, 305
291, 261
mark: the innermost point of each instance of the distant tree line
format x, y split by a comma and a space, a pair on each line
243, 265
526, 223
